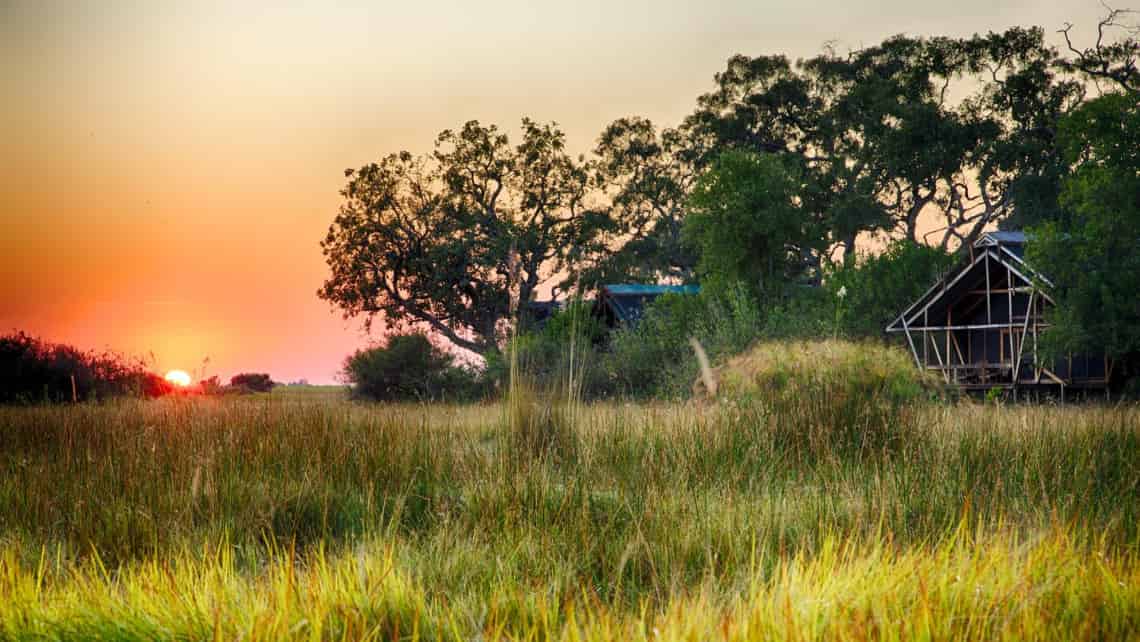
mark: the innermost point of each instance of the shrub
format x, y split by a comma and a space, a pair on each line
252, 382
32, 369
808, 314
654, 356
211, 386
563, 352
407, 367
878, 287
829, 397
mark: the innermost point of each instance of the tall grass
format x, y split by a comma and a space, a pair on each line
543, 409
291, 516
959, 588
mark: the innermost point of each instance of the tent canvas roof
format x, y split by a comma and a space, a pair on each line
627, 300
1006, 248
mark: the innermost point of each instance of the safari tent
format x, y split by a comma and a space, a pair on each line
979, 325
624, 303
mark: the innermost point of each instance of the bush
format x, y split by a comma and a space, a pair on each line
808, 314
408, 367
252, 382
877, 288
654, 357
564, 352
211, 386
829, 397
32, 370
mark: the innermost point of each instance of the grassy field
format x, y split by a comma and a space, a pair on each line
826, 513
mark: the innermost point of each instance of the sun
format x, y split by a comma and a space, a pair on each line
178, 378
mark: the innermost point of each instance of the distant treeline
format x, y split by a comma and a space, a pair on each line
35, 370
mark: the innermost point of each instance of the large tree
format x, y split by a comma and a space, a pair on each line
1090, 255
959, 132
453, 241
746, 220
646, 176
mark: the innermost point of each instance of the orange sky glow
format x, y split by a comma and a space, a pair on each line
168, 169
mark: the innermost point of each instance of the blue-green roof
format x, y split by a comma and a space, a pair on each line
628, 300
637, 289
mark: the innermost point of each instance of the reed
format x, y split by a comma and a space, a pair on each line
315, 517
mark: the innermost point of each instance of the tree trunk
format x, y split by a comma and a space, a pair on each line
849, 249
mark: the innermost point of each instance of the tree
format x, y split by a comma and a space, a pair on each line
745, 219
449, 241
882, 141
812, 112
887, 137
1090, 256
647, 176
408, 366
253, 382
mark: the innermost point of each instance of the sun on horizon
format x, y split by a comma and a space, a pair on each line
179, 378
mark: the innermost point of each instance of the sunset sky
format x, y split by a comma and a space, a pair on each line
168, 169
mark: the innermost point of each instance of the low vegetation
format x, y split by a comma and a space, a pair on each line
307, 515
252, 382
408, 367
33, 370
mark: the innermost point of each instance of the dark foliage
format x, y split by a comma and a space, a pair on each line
564, 354
746, 226
1090, 256
34, 370
253, 382
448, 241
877, 288
407, 367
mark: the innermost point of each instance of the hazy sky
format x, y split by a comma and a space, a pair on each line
167, 169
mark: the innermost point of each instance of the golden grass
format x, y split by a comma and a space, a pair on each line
308, 516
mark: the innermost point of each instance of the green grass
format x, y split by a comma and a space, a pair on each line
312, 392
310, 516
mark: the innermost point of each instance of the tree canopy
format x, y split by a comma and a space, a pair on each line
450, 240
779, 168
745, 221
1091, 255
646, 175
882, 139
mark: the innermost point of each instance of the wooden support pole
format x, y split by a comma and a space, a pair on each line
941, 364
989, 312
982, 326
925, 341
1009, 294
1021, 343
909, 340
1036, 359
958, 349
1016, 290
949, 357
